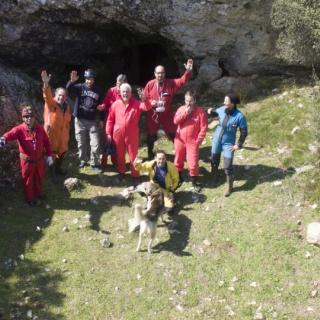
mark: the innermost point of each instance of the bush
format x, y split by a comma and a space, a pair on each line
298, 24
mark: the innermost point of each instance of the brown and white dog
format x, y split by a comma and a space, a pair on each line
147, 218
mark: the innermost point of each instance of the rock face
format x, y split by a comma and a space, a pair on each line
226, 38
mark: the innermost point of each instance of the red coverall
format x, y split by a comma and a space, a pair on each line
31, 148
152, 92
112, 95
190, 133
123, 126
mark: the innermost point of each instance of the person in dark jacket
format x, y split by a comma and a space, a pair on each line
87, 117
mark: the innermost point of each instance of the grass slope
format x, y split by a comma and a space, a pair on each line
241, 257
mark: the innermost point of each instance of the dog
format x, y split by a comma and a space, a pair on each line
147, 217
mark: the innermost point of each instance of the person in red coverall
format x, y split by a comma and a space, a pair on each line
192, 125
123, 127
112, 95
160, 91
32, 141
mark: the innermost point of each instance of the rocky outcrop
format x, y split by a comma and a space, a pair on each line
232, 38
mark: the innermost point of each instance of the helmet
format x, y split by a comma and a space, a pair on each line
89, 73
109, 149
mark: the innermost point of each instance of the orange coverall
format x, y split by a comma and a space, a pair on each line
190, 133
123, 126
56, 123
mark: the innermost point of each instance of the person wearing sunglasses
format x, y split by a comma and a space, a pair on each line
33, 143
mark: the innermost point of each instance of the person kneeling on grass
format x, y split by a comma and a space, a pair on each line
32, 141
163, 173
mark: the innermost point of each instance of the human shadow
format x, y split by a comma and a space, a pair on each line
254, 175
179, 237
33, 287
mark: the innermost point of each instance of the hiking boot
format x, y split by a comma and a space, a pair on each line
230, 179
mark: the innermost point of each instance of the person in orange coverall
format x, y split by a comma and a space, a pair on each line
32, 141
123, 127
57, 117
112, 95
160, 91
192, 125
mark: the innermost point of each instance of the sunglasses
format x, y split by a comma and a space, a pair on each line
27, 117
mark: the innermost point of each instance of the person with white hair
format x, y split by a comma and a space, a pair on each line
122, 127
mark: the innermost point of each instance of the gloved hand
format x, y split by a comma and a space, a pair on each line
2, 142
49, 161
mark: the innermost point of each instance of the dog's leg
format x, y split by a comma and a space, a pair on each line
139, 241
153, 231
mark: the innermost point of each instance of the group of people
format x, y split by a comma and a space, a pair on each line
117, 114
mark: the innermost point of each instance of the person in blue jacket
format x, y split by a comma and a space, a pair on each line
224, 139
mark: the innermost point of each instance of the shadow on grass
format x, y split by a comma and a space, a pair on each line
179, 237
25, 285
253, 175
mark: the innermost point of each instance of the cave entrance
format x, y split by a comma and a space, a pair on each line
139, 60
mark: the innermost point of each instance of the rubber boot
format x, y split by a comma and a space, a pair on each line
181, 180
150, 143
230, 179
214, 175
53, 176
195, 184
58, 167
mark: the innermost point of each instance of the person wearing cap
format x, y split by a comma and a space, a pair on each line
57, 117
161, 91
192, 125
123, 127
224, 139
87, 117
111, 96
33, 142
162, 172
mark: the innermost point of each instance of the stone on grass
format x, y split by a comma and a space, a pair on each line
253, 284
206, 242
29, 314
313, 233
64, 260
295, 129
65, 229
72, 184
304, 168
277, 183
105, 243
307, 255
314, 293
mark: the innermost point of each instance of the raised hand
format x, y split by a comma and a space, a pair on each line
45, 77
189, 65
74, 76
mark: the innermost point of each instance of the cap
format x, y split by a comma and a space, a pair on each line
89, 73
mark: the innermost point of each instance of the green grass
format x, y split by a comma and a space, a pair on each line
253, 237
